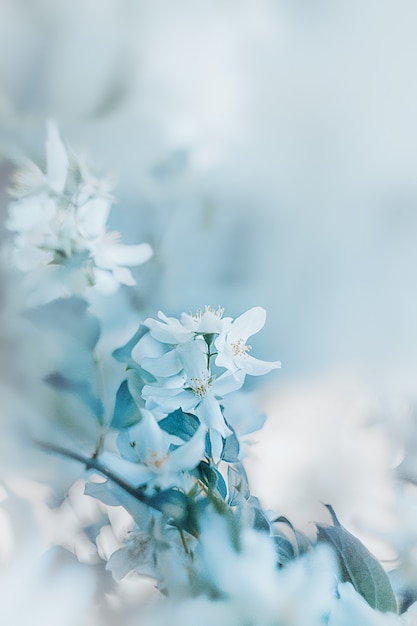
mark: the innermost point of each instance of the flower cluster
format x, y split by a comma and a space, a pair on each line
178, 459
59, 217
170, 411
169, 448
196, 361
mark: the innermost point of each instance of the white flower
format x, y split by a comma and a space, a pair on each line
60, 219
169, 330
111, 257
179, 354
233, 351
351, 608
147, 459
173, 331
197, 392
247, 576
158, 551
210, 321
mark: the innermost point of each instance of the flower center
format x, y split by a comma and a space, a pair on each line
207, 309
240, 348
199, 386
153, 459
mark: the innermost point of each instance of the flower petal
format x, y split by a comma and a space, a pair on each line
130, 254
210, 413
141, 440
165, 365
247, 324
256, 367
228, 382
56, 158
92, 217
189, 454
134, 473
104, 281
169, 330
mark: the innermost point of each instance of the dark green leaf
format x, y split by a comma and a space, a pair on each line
231, 449
359, 567
176, 507
260, 521
172, 503
124, 354
212, 478
284, 549
302, 542
221, 485
126, 412
180, 424
238, 484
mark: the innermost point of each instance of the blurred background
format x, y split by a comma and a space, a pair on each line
267, 149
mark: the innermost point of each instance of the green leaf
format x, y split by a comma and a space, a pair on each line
126, 412
358, 566
238, 485
69, 316
177, 507
124, 354
284, 549
231, 449
212, 478
260, 521
180, 424
302, 542
80, 388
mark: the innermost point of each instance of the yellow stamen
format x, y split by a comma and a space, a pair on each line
240, 348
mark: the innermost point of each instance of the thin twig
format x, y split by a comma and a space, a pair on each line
94, 463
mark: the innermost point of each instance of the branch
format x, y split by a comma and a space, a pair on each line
93, 463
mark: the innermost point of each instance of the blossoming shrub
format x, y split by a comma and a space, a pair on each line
170, 448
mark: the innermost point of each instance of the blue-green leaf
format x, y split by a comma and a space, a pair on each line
358, 566
212, 478
238, 484
284, 549
302, 542
69, 316
124, 354
80, 388
180, 424
221, 485
126, 412
173, 504
260, 521
231, 449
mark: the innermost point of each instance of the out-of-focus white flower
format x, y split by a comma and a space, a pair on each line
351, 608
247, 576
158, 551
60, 216
233, 349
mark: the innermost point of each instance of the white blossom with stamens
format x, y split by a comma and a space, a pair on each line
148, 460
233, 351
198, 391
